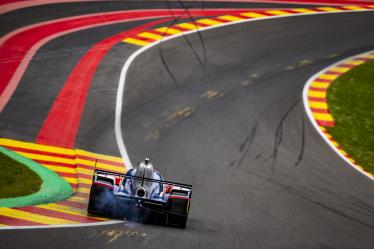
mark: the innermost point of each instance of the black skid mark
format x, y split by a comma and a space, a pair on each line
202, 61
247, 144
232, 164
279, 133
165, 64
302, 148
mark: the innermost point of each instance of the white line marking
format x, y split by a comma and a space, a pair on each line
125, 68
102, 223
314, 122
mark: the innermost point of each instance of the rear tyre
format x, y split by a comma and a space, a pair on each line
178, 212
177, 220
101, 201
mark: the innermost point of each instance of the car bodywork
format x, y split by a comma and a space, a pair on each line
109, 198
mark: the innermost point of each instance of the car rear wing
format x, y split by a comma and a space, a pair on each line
110, 174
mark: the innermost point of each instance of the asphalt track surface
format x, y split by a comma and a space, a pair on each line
22, 17
262, 176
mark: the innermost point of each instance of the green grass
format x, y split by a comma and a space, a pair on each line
16, 179
351, 102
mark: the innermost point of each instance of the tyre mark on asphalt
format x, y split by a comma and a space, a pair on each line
247, 144
279, 132
302, 147
202, 61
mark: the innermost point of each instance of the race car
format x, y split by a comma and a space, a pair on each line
140, 195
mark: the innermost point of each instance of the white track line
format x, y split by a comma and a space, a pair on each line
125, 69
314, 122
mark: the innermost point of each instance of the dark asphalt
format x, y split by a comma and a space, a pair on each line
29, 106
27, 16
262, 176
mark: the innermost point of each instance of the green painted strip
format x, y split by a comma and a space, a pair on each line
53, 189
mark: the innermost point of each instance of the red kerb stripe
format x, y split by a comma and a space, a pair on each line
99, 160
64, 174
347, 65
84, 185
74, 185
80, 175
202, 24
142, 38
159, 33
59, 215
180, 28
322, 80
17, 222
316, 99
333, 73
72, 166
219, 20
39, 152
98, 167
83, 195
73, 204
326, 123
318, 110
317, 89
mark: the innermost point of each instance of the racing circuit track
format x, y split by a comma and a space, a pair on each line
221, 109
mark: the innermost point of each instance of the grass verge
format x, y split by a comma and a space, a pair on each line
16, 179
351, 103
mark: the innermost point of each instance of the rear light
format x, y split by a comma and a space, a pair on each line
117, 180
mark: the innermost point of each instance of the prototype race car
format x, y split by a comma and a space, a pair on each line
141, 195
